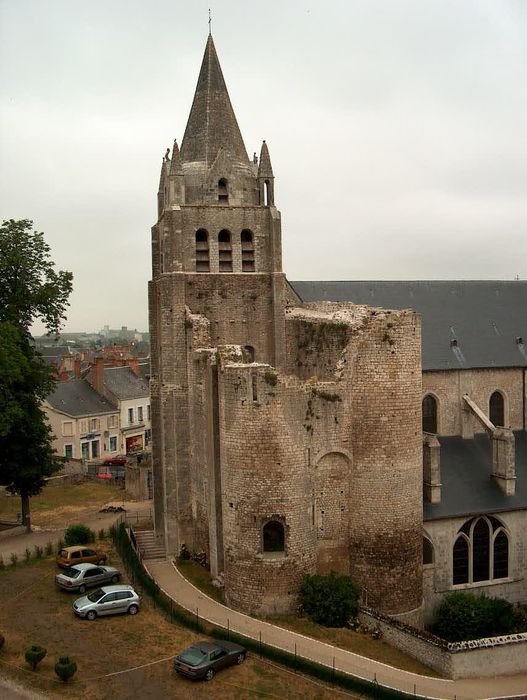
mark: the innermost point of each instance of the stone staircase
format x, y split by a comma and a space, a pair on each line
149, 546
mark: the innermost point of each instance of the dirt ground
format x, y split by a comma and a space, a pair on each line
119, 657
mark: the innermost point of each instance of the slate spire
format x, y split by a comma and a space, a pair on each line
212, 123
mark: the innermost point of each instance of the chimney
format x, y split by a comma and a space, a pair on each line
132, 363
504, 459
97, 374
77, 368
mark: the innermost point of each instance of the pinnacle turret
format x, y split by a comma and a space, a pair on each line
212, 123
175, 163
265, 169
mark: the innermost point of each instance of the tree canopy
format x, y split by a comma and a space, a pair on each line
30, 289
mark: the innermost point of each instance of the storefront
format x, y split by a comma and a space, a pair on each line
134, 444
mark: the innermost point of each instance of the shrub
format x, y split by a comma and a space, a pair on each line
49, 549
34, 655
39, 551
27, 554
14, 558
78, 534
60, 545
463, 616
65, 668
102, 534
329, 600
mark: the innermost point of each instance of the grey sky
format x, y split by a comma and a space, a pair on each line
397, 132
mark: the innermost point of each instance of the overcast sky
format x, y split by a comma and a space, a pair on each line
397, 131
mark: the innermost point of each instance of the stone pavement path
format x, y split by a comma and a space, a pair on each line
189, 597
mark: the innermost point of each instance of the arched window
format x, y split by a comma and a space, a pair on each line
497, 409
428, 551
429, 414
273, 536
481, 551
223, 191
225, 250
202, 251
247, 250
249, 353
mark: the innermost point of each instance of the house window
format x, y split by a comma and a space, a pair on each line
148, 412
481, 551
130, 416
112, 421
67, 428
497, 409
223, 191
225, 250
428, 551
247, 250
273, 536
94, 424
140, 414
85, 450
68, 451
83, 427
94, 449
202, 251
113, 443
429, 414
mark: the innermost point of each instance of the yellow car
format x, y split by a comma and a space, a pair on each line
79, 554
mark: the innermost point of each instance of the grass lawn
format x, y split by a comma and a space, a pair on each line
33, 611
357, 642
59, 503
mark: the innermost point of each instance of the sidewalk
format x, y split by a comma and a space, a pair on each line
189, 597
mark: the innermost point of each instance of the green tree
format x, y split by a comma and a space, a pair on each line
329, 600
30, 289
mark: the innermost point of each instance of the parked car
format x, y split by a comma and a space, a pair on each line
104, 473
118, 460
82, 576
203, 659
79, 554
107, 600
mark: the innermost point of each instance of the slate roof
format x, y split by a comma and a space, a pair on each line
467, 486
124, 384
78, 398
485, 317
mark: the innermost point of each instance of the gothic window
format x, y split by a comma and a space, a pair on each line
428, 551
247, 250
223, 192
267, 193
429, 414
273, 536
225, 250
497, 409
202, 251
481, 551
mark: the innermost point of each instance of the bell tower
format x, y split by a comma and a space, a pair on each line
216, 256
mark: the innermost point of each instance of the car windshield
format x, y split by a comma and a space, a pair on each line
192, 656
71, 572
96, 595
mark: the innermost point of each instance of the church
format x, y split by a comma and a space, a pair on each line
303, 427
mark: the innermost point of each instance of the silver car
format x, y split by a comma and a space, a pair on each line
107, 600
82, 576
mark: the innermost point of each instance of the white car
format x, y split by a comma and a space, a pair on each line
107, 600
79, 577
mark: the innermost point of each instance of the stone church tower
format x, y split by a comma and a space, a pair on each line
286, 436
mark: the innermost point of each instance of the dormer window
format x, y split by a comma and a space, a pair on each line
223, 191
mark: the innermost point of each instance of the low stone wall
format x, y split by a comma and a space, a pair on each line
493, 656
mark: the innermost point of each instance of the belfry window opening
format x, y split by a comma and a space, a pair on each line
266, 193
225, 251
247, 244
202, 251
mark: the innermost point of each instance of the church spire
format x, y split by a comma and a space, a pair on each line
265, 178
212, 123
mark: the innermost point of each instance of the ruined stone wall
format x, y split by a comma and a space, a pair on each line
449, 386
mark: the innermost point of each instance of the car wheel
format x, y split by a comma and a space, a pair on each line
82, 589
91, 615
115, 578
240, 658
101, 562
210, 674
133, 609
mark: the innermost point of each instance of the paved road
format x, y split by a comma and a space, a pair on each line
9, 690
19, 543
184, 593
